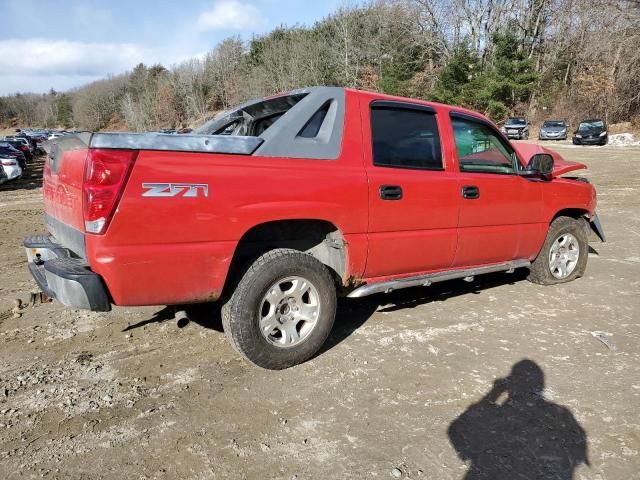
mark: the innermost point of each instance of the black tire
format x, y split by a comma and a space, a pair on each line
540, 271
240, 314
575, 142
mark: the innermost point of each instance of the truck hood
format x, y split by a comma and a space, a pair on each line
560, 165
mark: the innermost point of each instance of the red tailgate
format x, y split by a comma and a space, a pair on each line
62, 189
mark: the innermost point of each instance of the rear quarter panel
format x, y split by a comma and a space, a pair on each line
163, 250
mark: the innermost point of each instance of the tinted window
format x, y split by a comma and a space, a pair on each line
480, 149
312, 127
405, 138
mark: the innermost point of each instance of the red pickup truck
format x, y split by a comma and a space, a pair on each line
279, 205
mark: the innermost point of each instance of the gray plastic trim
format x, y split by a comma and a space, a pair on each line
282, 140
426, 280
68, 292
237, 145
66, 236
56, 147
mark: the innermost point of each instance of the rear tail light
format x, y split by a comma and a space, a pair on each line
8, 163
105, 175
24, 148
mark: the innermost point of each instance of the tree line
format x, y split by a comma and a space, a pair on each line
542, 58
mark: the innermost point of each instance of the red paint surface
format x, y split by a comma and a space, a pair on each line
175, 250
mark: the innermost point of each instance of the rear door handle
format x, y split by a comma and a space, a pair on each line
390, 192
470, 192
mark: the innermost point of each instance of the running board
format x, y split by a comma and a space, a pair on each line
428, 279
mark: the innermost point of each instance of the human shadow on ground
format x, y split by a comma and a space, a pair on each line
513, 432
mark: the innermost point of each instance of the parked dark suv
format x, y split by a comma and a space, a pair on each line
591, 132
516, 127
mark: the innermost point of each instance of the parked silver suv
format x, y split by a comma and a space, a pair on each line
516, 127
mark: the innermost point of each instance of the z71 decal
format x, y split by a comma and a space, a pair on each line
190, 190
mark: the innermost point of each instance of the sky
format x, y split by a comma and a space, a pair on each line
63, 44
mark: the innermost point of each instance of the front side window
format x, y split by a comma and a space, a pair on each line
480, 148
405, 138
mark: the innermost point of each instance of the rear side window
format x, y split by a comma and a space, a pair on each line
312, 127
405, 138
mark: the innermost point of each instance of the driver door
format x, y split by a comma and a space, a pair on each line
498, 205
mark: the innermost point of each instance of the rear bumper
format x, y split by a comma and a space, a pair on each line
13, 171
62, 276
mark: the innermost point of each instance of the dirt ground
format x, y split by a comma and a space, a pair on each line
410, 385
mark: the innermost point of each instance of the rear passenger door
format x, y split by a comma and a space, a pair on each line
413, 199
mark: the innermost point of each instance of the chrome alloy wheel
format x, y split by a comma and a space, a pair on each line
563, 256
289, 311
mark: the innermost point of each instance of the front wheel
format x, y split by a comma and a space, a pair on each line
563, 257
282, 310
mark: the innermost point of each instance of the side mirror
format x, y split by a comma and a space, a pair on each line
540, 165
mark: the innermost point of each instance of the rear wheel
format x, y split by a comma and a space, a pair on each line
564, 254
282, 309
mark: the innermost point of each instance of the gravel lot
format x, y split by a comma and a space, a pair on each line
408, 387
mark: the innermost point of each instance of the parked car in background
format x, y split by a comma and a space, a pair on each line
10, 166
3, 176
30, 138
553, 130
591, 132
516, 127
20, 144
6, 149
55, 135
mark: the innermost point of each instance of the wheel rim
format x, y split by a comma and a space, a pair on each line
563, 255
289, 311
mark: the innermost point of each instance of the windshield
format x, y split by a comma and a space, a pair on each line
516, 121
591, 125
553, 123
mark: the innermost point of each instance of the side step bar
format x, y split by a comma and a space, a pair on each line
428, 279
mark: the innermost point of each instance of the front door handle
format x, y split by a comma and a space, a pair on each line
390, 192
470, 192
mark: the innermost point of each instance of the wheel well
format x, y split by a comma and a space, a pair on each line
570, 212
318, 238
